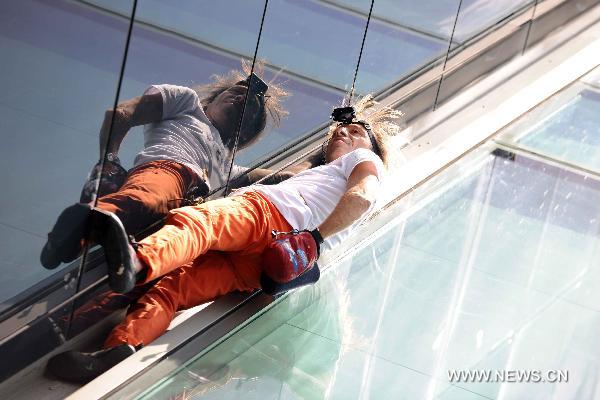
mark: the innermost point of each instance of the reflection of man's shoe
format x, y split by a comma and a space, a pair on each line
78, 367
110, 233
66, 239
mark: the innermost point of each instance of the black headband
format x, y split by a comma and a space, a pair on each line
367, 127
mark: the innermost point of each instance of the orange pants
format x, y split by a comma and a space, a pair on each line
149, 192
206, 251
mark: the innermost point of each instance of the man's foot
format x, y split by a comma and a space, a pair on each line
78, 367
120, 256
65, 242
273, 288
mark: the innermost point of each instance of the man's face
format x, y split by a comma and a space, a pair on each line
225, 110
347, 138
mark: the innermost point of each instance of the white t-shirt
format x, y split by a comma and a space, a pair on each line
306, 199
186, 135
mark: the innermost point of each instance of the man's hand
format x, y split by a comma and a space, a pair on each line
269, 177
137, 111
291, 254
101, 182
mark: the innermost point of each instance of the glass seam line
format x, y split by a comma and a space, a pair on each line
466, 46
398, 25
209, 46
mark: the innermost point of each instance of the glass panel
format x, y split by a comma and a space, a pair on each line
59, 71
478, 15
296, 34
41, 337
593, 78
565, 127
562, 13
437, 18
473, 18
431, 19
475, 277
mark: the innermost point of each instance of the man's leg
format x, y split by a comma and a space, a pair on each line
206, 278
210, 276
234, 224
149, 192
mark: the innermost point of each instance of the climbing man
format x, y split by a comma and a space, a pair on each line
205, 251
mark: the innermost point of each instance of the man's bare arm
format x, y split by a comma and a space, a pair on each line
312, 161
257, 174
137, 111
273, 177
360, 194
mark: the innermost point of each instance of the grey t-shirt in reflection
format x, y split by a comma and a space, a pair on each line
186, 135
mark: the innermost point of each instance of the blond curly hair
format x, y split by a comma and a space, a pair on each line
273, 111
384, 122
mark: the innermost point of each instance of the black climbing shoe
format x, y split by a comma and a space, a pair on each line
273, 288
110, 233
75, 366
65, 242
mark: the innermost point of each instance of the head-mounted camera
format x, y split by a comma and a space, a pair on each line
256, 86
344, 115
347, 115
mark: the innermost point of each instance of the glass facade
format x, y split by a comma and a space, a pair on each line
568, 128
65, 63
490, 266
60, 71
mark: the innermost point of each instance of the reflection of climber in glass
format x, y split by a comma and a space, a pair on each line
214, 248
189, 137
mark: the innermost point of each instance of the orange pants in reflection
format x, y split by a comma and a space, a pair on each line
149, 192
204, 252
